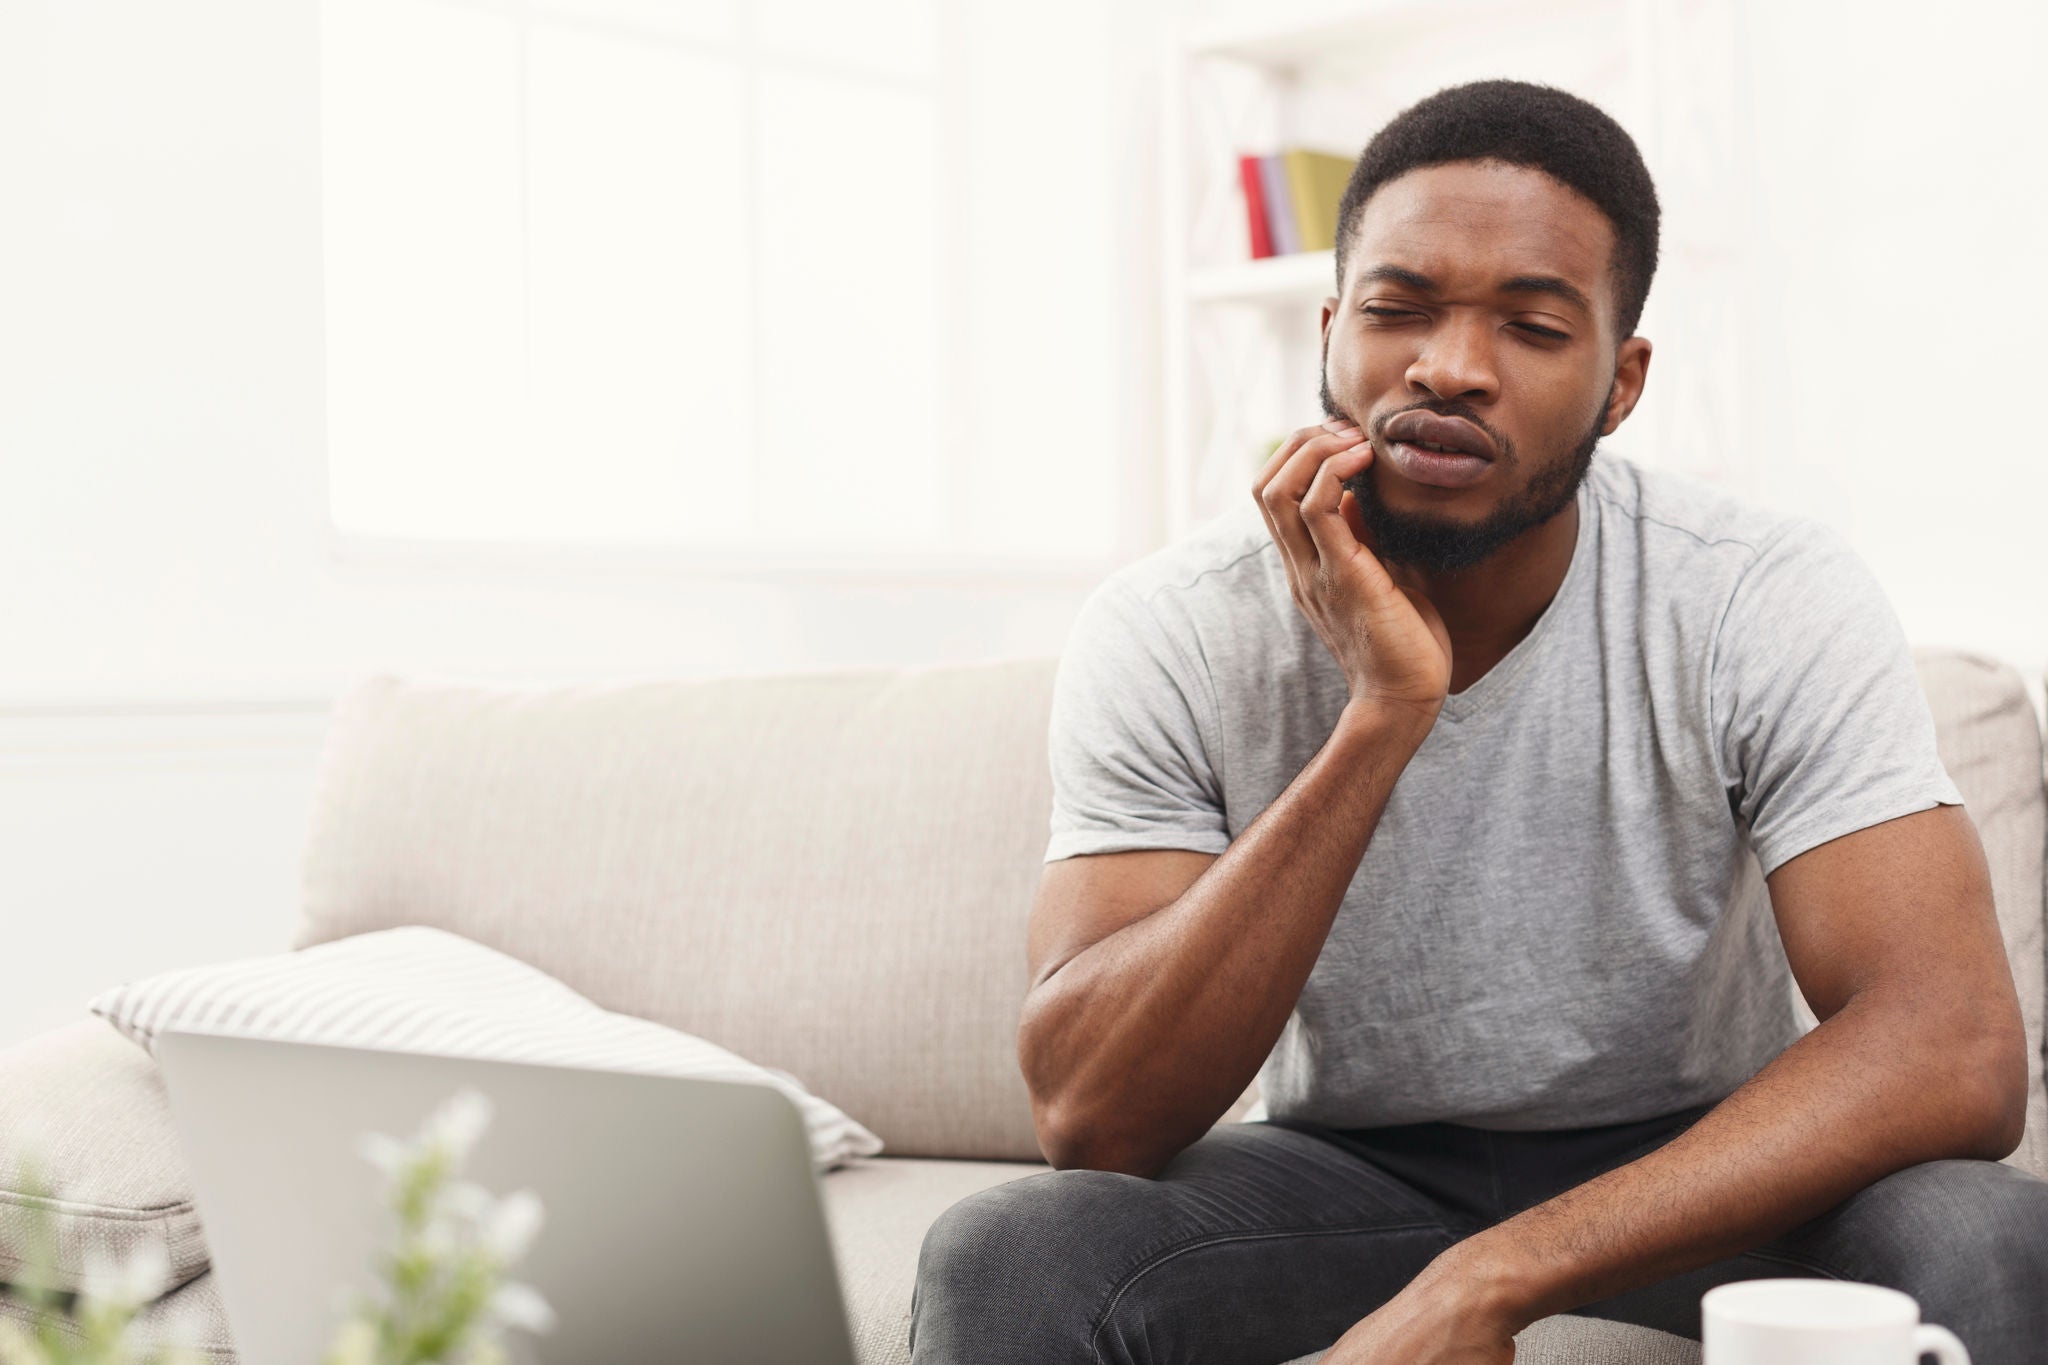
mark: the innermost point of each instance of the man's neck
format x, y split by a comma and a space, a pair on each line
1489, 607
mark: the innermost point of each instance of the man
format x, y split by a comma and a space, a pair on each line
1467, 801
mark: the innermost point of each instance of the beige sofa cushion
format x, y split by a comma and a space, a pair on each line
827, 873
878, 1212
1570, 1340
1990, 742
89, 1108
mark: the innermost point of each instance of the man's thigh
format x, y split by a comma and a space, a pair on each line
1967, 1239
1256, 1244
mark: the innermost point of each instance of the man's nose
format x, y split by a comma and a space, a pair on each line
1456, 361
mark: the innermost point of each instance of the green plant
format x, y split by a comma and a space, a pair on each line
442, 1297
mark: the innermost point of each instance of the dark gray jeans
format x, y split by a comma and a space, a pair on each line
1265, 1241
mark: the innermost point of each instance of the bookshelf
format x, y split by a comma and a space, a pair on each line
1241, 338
1276, 279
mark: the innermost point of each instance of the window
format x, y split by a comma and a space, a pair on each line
729, 274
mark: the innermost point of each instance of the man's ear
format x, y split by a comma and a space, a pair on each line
1631, 371
1329, 311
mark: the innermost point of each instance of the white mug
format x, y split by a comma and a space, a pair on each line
1808, 1322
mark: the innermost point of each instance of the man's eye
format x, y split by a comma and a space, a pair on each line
1372, 311
1547, 333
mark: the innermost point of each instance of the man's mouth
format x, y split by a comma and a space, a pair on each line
1437, 451
1437, 434
1436, 468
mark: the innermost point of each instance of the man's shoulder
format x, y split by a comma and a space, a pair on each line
1696, 562
1684, 523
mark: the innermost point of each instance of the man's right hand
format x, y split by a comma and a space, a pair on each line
1386, 635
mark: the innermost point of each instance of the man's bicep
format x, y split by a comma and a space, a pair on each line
1906, 902
1083, 900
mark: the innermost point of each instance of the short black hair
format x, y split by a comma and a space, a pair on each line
1571, 140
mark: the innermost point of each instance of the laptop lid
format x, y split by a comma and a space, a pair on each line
682, 1218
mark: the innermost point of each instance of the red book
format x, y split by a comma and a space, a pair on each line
1255, 205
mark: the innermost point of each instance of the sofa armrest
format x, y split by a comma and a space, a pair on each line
88, 1109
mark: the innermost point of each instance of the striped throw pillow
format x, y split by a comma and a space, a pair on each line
418, 989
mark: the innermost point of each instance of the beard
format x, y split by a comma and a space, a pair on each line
1441, 545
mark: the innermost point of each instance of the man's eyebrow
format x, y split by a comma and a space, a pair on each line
1547, 284
1397, 274
1554, 285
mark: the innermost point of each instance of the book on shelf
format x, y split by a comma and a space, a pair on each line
1253, 181
1279, 204
1291, 199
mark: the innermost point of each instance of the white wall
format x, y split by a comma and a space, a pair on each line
130, 843
163, 427
161, 435
1902, 199
162, 525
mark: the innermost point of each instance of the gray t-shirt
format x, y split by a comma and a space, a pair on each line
1561, 919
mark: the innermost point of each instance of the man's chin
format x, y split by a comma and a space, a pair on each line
1436, 540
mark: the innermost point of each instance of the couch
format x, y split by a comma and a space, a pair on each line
828, 873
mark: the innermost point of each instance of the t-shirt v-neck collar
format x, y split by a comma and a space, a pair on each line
1500, 679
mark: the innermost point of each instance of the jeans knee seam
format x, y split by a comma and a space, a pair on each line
1219, 1239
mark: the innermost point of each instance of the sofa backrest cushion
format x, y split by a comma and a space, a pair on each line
1990, 742
828, 873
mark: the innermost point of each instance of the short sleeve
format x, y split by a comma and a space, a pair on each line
1821, 723
1130, 768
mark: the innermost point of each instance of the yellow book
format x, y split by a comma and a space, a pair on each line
1316, 181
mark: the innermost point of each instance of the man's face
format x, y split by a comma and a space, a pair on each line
1477, 313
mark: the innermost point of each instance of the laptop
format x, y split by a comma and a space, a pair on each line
682, 1219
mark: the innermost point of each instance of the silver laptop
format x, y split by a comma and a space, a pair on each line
682, 1218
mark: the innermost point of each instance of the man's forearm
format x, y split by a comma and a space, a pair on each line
1143, 1039
1878, 1087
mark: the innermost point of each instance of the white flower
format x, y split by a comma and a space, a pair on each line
384, 1152
127, 1284
520, 1305
17, 1347
509, 1228
461, 1219
459, 1122
466, 1200
438, 1242
354, 1344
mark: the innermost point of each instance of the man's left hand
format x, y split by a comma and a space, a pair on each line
1441, 1318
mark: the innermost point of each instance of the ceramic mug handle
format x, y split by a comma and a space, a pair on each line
1940, 1343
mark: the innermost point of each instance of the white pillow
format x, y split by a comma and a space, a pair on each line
418, 989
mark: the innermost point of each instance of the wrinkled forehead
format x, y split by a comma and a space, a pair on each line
1470, 224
